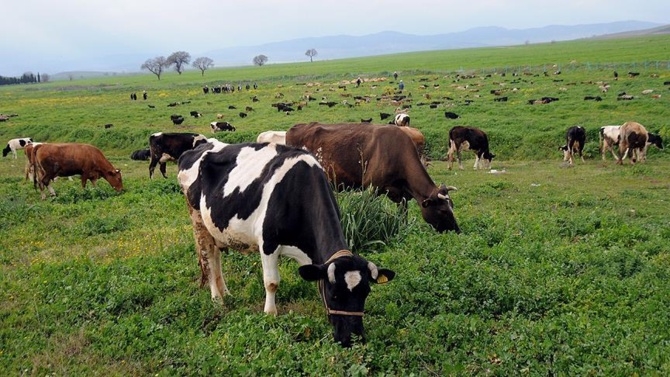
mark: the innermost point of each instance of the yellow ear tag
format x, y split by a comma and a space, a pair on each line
382, 279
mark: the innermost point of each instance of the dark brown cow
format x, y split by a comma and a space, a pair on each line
382, 156
469, 138
575, 138
52, 160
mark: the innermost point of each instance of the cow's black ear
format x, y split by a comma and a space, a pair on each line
312, 272
384, 276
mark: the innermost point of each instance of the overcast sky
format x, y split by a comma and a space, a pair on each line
32, 31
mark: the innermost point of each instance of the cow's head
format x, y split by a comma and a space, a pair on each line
114, 179
487, 157
438, 210
655, 140
344, 284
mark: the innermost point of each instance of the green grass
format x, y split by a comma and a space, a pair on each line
558, 271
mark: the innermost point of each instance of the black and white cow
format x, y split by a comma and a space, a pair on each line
401, 120
609, 138
221, 126
575, 137
164, 147
15, 144
474, 139
251, 196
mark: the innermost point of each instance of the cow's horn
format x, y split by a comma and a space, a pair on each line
373, 270
331, 273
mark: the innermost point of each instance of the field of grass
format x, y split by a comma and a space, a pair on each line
558, 271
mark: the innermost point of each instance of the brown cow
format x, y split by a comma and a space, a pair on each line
382, 156
68, 159
632, 139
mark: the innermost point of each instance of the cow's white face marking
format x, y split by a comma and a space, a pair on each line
352, 278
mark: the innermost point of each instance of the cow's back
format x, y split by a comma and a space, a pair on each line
633, 135
70, 158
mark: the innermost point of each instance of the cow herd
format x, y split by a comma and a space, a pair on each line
275, 196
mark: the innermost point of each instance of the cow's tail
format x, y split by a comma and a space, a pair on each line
35, 165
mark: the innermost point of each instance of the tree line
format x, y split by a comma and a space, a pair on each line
26, 78
180, 59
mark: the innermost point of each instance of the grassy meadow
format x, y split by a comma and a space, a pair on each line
558, 271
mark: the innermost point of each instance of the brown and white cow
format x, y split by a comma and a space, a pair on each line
632, 139
167, 146
472, 138
358, 155
575, 138
419, 141
609, 138
51, 160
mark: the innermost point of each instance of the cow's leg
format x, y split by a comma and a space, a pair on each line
209, 257
152, 166
270, 279
458, 156
450, 154
162, 166
476, 165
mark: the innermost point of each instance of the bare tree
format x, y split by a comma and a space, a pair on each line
179, 59
311, 53
259, 60
155, 65
203, 63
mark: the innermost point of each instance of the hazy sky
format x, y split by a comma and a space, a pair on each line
34, 32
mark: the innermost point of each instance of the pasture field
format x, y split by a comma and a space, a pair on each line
558, 271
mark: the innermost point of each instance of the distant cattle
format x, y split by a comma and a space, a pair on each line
166, 147
141, 155
593, 98
251, 197
369, 120
15, 144
177, 119
451, 115
52, 160
401, 120
471, 138
277, 137
358, 155
501, 99
575, 137
633, 74
383, 116
221, 126
243, 114
195, 114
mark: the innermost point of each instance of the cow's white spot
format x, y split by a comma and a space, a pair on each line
352, 278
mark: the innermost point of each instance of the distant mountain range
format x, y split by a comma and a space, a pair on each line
387, 42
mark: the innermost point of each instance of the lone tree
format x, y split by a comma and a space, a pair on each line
155, 65
259, 60
203, 64
179, 59
311, 53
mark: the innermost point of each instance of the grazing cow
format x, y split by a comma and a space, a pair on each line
383, 116
140, 155
277, 137
609, 138
419, 142
471, 138
52, 160
166, 147
401, 120
243, 114
15, 144
575, 138
177, 119
251, 197
360, 155
195, 114
632, 139
450, 115
221, 126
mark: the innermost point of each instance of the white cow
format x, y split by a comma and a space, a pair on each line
609, 138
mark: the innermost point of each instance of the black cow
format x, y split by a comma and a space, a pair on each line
575, 138
221, 126
251, 197
383, 116
195, 114
177, 119
451, 115
140, 155
166, 147
469, 138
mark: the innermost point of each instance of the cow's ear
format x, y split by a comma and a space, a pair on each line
384, 276
312, 272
